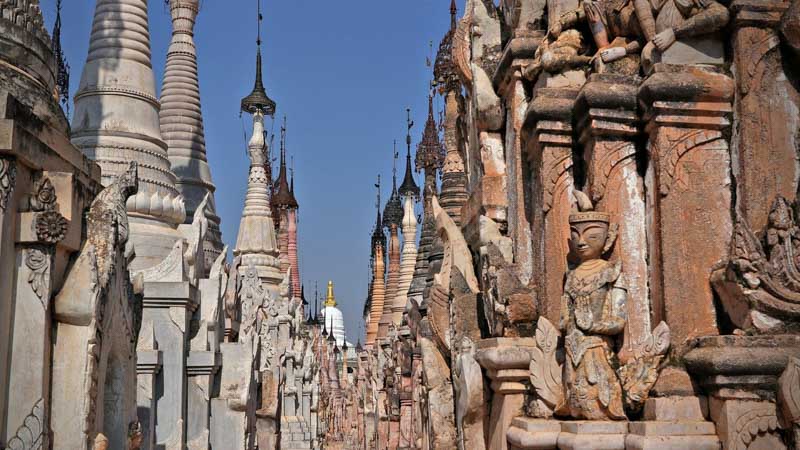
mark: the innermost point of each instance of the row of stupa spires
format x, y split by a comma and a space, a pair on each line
407, 274
118, 119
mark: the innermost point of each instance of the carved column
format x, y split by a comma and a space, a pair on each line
148, 365
8, 180
168, 307
510, 86
607, 129
201, 369
506, 362
548, 147
764, 144
40, 229
689, 194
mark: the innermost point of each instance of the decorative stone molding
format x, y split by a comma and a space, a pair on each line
31, 434
8, 177
38, 261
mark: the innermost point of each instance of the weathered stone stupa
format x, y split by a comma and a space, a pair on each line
256, 242
182, 123
116, 121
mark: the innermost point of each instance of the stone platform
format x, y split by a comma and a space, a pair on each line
541, 434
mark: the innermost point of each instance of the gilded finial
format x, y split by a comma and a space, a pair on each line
330, 299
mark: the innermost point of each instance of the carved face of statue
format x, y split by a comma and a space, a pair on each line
588, 240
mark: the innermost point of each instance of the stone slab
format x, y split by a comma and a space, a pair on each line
694, 408
533, 434
592, 435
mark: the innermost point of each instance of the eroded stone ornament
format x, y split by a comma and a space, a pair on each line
760, 287
593, 314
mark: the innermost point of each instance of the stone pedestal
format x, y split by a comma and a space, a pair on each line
606, 109
592, 435
670, 435
689, 193
506, 362
527, 433
548, 149
740, 374
201, 367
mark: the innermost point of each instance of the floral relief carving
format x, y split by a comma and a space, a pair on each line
30, 435
678, 147
38, 261
8, 177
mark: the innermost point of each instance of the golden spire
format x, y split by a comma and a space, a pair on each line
331, 299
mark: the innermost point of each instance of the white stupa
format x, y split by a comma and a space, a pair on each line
333, 319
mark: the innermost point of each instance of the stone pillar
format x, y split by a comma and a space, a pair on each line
689, 192
767, 110
548, 148
116, 121
148, 365
506, 362
510, 86
201, 369
606, 119
291, 214
29, 365
8, 199
168, 307
181, 121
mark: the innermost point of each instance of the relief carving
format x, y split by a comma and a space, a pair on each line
38, 261
30, 435
8, 177
760, 287
789, 399
546, 371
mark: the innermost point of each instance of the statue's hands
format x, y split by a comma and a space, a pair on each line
612, 54
664, 39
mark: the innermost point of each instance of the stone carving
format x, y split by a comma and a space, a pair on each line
51, 227
193, 256
546, 371
135, 435
86, 295
8, 177
485, 56
508, 306
30, 434
758, 420
38, 261
593, 313
789, 399
559, 54
640, 373
523, 17
760, 287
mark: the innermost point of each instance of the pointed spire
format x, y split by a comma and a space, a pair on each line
377, 233
453, 14
444, 69
258, 99
393, 212
330, 298
62, 68
283, 197
430, 152
409, 188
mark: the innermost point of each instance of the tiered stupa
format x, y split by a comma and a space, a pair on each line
256, 243
377, 288
333, 320
116, 122
392, 220
409, 191
285, 205
182, 123
454, 178
430, 156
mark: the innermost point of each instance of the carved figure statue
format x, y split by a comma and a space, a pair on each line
593, 314
679, 19
565, 52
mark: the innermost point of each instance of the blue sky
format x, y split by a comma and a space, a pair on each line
342, 72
